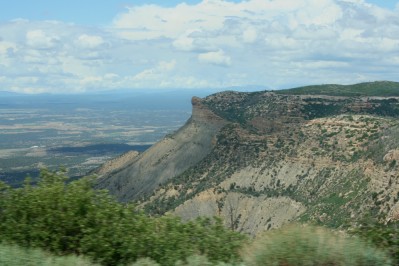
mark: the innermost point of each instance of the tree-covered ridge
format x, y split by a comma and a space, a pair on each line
267, 111
377, 88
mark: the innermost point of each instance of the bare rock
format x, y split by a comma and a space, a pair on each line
392, 155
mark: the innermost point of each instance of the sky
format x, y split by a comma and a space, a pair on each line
89, 45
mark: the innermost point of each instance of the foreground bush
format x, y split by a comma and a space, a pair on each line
194, 260
306, 245
11, 255
385, 236
72, 218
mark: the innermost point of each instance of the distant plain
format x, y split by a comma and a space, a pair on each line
83, 131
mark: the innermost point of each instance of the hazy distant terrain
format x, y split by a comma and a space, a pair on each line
82, 131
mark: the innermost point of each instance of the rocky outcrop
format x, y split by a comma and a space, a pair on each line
166, 159
392, 156
242, 212
202, 114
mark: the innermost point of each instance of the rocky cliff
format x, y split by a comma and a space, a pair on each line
259, 160
166, 159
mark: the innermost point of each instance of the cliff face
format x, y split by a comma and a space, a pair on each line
166, 159
259, 160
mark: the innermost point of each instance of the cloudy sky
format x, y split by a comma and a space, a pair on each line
88, 45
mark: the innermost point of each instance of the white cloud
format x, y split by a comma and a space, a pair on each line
249, 35
196, 41
216, 58
184, 43
278, 43
157, 72
166, 66
89, 41
91, 80
40, 40
151, 21
6, 51
7, 47
111, 76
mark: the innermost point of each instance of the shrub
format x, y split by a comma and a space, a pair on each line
65, 218
73, 218
385, 236
200, 260
194, 260
306, 245
12, 255
145, 262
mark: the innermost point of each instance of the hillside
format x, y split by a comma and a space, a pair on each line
165, 159
259, 160
377, 88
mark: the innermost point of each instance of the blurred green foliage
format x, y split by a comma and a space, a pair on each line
309, 245
73, 218
382, 235
11, 255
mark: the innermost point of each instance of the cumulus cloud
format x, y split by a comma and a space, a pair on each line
196, 41
184, 43
216, 58
277, 43
89, 41
249, 35
6, 51
155, 73
40, 40
7, 47
151, 21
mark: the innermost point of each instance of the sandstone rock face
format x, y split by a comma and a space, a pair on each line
166, 159
242, 212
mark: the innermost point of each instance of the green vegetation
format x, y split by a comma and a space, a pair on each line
389, 140
306, 245
69, 219
11, 255
384, 236
72, 218
291, 245
316, 110
377, 88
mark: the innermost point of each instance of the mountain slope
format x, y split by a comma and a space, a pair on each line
377, 88
166, 159
259, 160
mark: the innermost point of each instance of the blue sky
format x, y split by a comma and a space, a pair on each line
94, 12
88, 45
88, 12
